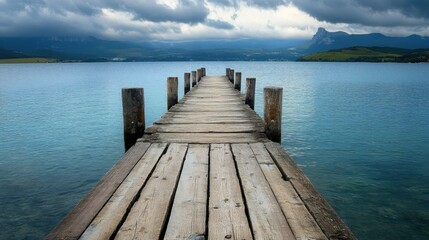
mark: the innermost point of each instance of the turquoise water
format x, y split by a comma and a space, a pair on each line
358, 130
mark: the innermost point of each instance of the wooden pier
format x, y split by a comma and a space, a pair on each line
205, 170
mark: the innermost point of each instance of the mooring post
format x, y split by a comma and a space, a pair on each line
187, 86
194, 78
172, 91
231, 75
133, 115
273, 98
250, 92
199, 75
227, 72
237, 82
203, 72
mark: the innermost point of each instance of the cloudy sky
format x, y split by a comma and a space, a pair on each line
210, 19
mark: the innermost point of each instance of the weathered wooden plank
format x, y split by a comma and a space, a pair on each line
205, 137
227, 217
188, 215
209, 128
205, 120
75, 223
266, 217
148, 215
205, 109
300, 220
109, 218
323, 213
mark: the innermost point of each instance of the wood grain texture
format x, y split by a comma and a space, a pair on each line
266, 217
148, 215
205, 137
300, 220
323, 213
227, 217
109, 218
188, 215
75, 223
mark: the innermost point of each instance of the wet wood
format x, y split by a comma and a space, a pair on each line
148, 215
273, 99
227, 217
172, 91
133, 115
188, 215
237, 82
187, 83
250, 92
194, 78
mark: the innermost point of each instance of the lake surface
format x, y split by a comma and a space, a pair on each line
360, 132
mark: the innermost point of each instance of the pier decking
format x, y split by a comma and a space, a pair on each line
204, 170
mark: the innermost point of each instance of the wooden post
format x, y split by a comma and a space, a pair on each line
187, 86
237, 82
273, 98
227, 72
172, 91
231, 75
133, 115
203, 72
250, 92
194, 78
199, 75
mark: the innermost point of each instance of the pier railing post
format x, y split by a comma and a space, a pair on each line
227, 72
250, 92
133, 115
172, 91
237, 82
203, 70
199, 75
231, 75
273, 98
187, 86
194, 78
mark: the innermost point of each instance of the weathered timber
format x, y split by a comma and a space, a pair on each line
110, 217
203, 71
148, 215
187, 82
188, 215
237, 82
194, 78
133, 115
172, 91
299, 219
227, 72
231, 76
273, 98
250, 92
199, 75
266, 217
227, 217
332, 226
75, 223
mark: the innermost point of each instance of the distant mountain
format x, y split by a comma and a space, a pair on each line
5, 54
324, 40
369, 54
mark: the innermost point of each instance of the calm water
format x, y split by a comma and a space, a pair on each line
359, 131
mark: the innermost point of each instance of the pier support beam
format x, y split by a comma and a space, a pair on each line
187, 86
237, 82
133, 115
250, 92
172, 92
194, 78
273, 98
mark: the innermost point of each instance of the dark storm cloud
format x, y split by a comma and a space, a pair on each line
368, 12
68, 17
219, 24
267, 4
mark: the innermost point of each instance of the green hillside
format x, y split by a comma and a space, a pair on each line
369, 54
